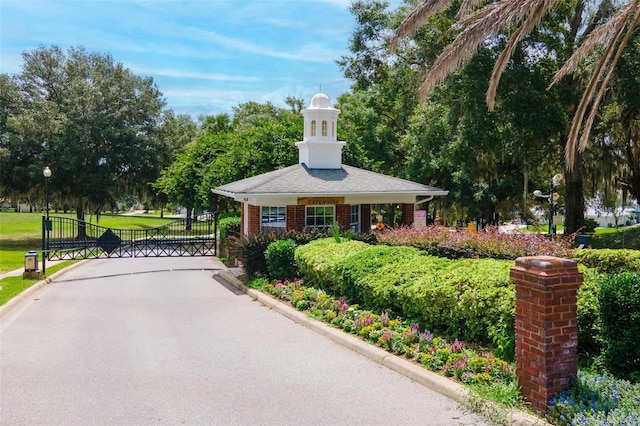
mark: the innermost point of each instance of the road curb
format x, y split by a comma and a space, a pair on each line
440, 384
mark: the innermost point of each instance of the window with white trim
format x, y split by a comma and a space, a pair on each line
273, 218
354, 218
320, 217
313, 127
324, 127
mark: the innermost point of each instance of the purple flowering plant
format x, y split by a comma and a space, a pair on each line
451, 359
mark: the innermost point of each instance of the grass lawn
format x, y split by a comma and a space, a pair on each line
21, 232
13, 286
616, 238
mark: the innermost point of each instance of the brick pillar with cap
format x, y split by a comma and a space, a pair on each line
546, 326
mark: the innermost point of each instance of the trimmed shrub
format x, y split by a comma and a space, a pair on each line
619, 301
228, 226
471, 299
364, 282
251, 250
280, 261
319, 261
609, 260
441, 241
589, 334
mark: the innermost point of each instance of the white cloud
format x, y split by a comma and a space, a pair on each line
189, 74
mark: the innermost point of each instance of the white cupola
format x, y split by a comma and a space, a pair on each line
320, 148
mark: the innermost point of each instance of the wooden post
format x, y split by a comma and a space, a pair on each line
546, 326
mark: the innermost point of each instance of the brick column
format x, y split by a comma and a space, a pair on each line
343, 215
546, 326
295, 218
365, 218
254, 219
407, 214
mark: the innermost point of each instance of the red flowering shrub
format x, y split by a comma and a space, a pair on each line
453, 244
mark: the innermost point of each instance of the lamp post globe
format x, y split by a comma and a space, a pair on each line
47, 175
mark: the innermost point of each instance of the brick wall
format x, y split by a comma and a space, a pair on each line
546, 326
365, 218
343, 215
295, 218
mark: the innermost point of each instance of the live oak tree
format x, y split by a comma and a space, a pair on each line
452, 141
481, 21
88, 118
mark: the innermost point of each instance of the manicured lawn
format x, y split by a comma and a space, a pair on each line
13, 286
21, 232
616, 238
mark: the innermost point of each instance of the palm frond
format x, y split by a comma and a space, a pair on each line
577, 142
482, 24
532, 20
602, 35
468, 7
416, 18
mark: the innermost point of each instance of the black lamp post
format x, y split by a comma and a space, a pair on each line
551, 197
46, 224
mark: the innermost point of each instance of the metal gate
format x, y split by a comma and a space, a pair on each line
64, 238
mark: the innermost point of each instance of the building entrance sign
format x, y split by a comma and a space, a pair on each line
320, 201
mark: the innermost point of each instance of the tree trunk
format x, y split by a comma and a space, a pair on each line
82, 230
574, 219
189, 213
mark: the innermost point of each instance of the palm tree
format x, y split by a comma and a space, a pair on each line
483, 19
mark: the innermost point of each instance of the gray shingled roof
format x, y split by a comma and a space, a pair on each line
299, 179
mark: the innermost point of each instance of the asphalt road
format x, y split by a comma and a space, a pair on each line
157, 341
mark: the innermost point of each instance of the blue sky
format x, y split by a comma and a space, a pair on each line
206, 56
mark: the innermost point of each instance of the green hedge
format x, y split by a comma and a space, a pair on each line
609, 260
319, 261
280, 260
619, 302
471, 299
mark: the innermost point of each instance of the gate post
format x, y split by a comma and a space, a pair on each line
546, 326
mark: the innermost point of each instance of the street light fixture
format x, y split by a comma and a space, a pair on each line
552, 196
46, 224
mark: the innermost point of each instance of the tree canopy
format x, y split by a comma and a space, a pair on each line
90, 119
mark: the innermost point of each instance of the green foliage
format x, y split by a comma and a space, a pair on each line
617, 238
319, 261
619, 300
609, 260
87, 117
251, 249
280, 260
229, 226
468, 299
359, 273
596, 400
589, 334
258, 283
590, 225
